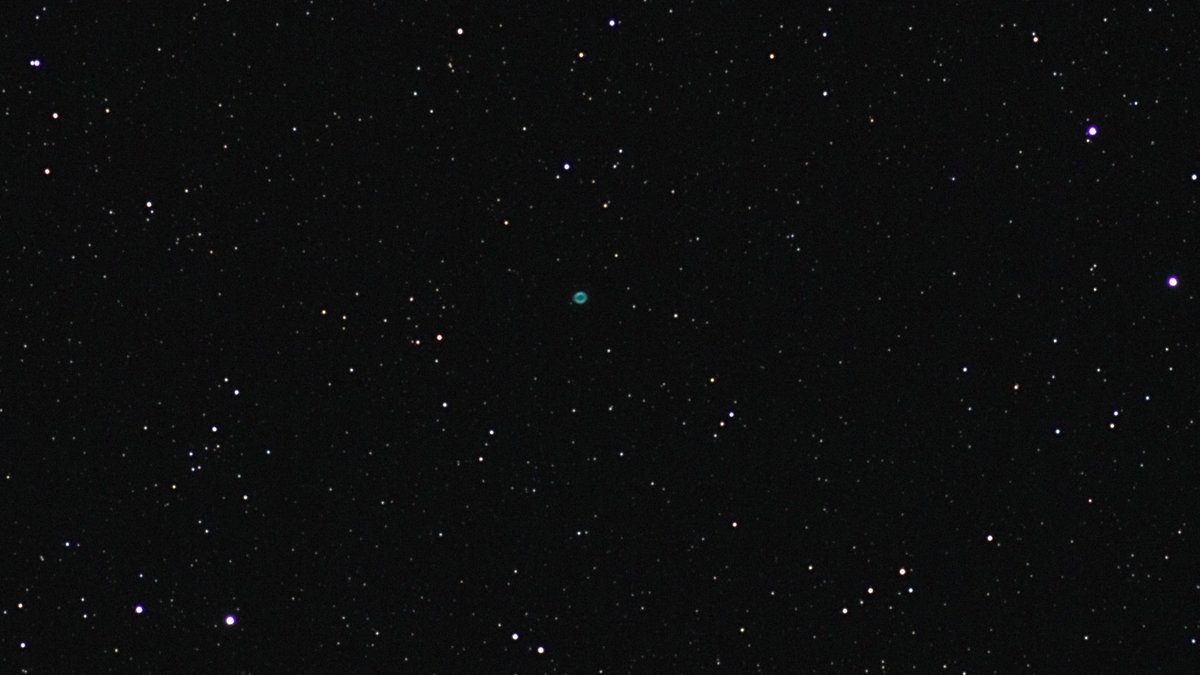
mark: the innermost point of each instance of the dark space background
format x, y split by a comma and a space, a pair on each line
880, 369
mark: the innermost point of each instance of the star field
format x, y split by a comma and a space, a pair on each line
375, 337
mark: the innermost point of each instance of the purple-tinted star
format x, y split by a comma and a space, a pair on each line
1172, 281
1092, 131
230, 620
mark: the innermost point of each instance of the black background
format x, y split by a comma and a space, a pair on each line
873, 299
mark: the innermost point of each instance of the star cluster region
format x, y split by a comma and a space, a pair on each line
584, 338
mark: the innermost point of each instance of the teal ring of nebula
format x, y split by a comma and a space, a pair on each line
580, 297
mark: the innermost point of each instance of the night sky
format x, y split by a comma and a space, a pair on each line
576, 337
